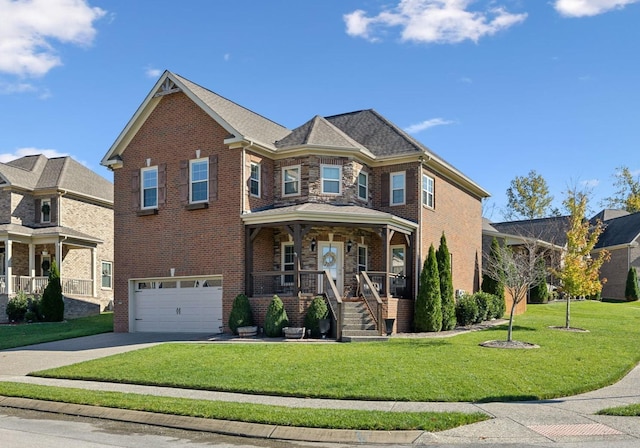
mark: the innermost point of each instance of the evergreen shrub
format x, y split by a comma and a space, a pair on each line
317, 310
276, 318
484, 301
466, 310
632, 290
52, 304
241, 315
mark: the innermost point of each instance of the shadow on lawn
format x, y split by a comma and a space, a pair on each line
503, 328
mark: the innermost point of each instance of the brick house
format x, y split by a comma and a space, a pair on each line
55, 210
213, 200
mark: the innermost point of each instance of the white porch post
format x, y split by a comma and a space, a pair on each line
32, 265
7, 267
59, 258
94, 276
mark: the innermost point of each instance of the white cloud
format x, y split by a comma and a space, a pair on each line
30, 26
153, 72
21, 152
227, 56
20, 87
434, 21
426, 124
582, 8
591, 183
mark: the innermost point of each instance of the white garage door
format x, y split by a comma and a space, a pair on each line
184, 305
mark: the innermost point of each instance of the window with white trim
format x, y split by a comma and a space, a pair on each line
107, 275
45, 210
254, 180
363, 186
288, 262
199, 180
427, 191
291, 180
149, 187
331, 179
363, 257
398, 188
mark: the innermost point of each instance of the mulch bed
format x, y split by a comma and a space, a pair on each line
509, 344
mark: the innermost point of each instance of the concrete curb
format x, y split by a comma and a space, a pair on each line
225, 427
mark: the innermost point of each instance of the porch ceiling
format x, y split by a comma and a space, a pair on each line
328, 214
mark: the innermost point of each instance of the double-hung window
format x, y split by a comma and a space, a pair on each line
45, 211
291, 180
363, 186
427, 191
288, 263
199, 180
398, 188
254, 180
331, 179
107, 274
363, 256
149, 187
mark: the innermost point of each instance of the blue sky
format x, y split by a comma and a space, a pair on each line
495, 87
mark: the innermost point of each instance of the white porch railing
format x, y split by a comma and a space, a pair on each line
36, 285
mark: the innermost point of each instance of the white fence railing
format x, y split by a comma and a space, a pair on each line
36, 285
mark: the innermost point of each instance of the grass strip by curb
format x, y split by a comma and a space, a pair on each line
632, 410
246, 412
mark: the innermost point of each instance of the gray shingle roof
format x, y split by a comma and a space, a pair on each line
47, 231
250, 124
318, 131
551, 230
622, 230
36, 173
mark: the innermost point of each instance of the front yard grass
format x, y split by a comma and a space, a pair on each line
451, 369
246, 412
632, 410
19, 335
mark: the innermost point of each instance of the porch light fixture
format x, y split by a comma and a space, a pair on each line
349, 245
313, 244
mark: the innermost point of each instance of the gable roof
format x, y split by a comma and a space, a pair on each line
366, 131
38, 173
622, 230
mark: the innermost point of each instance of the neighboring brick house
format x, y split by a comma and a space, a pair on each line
55, 209
213, 200
620, 237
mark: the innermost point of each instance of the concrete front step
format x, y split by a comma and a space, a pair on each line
359, 332
365, 338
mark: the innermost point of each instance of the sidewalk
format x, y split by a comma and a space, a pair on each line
563, 420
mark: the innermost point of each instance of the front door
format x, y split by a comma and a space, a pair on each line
330, 259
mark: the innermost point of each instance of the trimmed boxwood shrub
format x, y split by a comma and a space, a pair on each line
317, 310
17, 307
484, 301
466, 310
498, 307
276, 318
241, 315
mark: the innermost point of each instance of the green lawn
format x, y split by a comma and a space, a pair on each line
246, 412
632, 410
18, 335
451, 369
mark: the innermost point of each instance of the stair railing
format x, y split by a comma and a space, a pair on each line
335, 302
372, 299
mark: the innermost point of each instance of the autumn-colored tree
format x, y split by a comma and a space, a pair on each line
446, 285
627, 195
528, 197
580, 271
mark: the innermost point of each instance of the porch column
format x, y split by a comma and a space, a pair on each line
58, 246
94, 277
248, 262
297, 252
7, 265
385, 257
32, 267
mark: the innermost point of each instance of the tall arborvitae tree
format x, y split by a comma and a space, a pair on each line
490, 285
52, 305
428, 312
446, 285
631, 290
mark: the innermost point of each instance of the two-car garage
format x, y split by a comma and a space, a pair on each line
176, 305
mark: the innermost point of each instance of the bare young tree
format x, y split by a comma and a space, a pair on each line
519, 268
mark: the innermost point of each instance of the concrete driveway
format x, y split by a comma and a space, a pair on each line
23, 360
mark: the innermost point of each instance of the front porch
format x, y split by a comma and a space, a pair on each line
345, 254
36, 285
